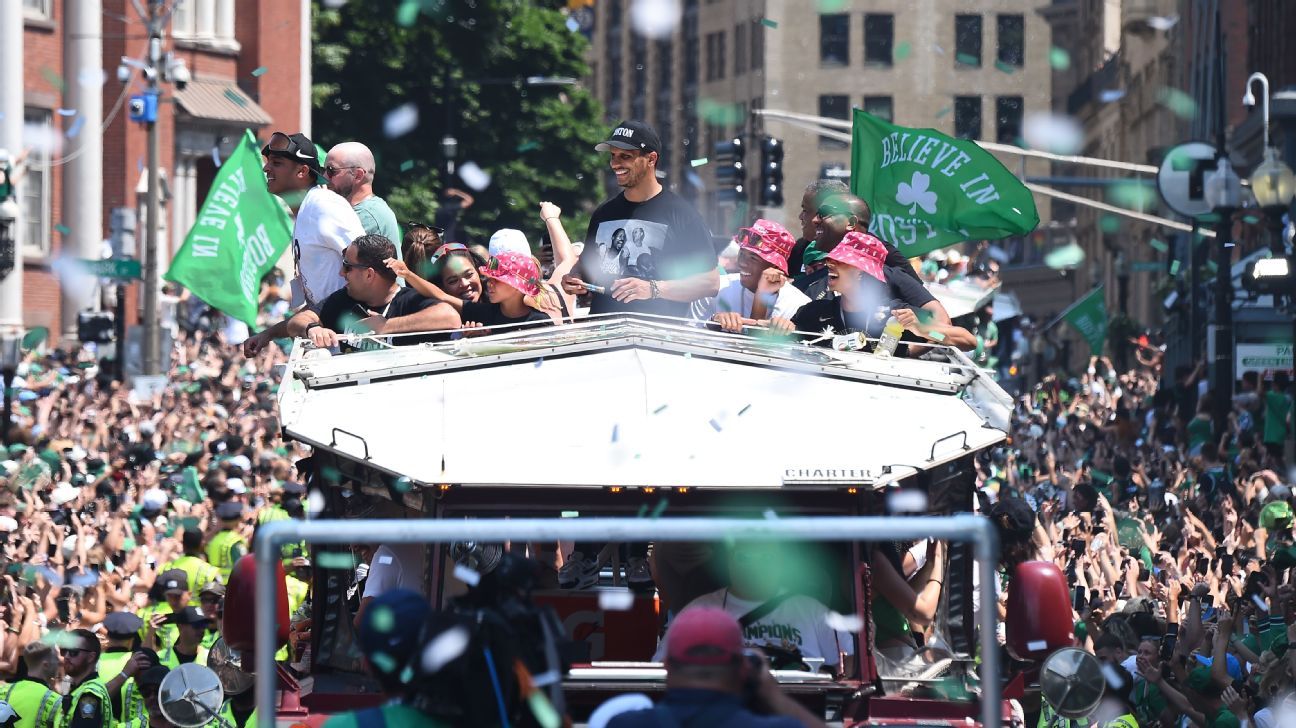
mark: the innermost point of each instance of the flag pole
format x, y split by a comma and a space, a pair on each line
1068, 309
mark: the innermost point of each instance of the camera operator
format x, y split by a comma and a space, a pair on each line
389, 641
711, 681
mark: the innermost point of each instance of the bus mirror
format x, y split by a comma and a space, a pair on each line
1072, 682
1039, 611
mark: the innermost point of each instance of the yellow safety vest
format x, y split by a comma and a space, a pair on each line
166, 634
199, 573
37, 705
227, 715
1124, 721
110, 666
170, 659
220, 552
1050, 719
90, 688
134, 712
288, 551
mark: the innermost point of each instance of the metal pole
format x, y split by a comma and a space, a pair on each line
1194, 294
1224, 275
11, 139
963, 528
119, 324
83, 178
150, 344
8, 404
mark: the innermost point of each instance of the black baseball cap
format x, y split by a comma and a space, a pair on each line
297, 147
635, 136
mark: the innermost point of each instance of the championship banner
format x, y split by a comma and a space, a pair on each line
1089, 317
240, 233
928, 191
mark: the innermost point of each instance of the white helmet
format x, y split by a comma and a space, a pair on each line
8, 716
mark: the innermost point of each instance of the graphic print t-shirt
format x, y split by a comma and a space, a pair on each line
800, 623
661, 239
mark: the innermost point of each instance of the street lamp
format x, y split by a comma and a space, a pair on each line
10, 354
1272, 183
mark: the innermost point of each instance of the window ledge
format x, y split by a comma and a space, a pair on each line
223, 46
39, 22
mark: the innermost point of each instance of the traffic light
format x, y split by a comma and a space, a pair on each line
731, 174
771, 194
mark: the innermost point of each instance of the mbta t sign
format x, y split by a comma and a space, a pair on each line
1181, 181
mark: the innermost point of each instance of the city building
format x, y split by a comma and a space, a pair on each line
248, 64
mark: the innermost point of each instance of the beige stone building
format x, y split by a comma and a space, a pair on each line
973, 68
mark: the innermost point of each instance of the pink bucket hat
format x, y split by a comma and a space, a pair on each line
769, 240
515, 269
863, 251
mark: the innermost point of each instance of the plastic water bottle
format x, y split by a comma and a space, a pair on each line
890, 338
849, 342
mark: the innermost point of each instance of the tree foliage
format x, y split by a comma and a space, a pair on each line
463, 64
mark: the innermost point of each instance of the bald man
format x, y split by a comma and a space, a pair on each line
349, 169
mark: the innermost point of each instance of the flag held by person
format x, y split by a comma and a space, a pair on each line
1089, 317
240, 233
928, 191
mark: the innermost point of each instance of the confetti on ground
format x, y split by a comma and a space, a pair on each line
844, 622
769, 23
699, 162
660, 409
467, 575
443, 650
1059, 59
407, 165
1158, 245
908, 500
902, 50
62, 229
400, 120
1178, 102
259, 71
53, 78
616, 600
1174, 267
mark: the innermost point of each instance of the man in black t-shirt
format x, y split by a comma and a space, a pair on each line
371, 302
646, 250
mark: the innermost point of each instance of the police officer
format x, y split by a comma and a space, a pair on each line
193, 564
90, 704
188, 647
36, 703
174, 585
227, 546
287, 506
211, 600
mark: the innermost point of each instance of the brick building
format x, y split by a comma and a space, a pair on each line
249, 67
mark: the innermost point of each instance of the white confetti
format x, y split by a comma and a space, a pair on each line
844, 622
467, 575
443, 650
401, 120
1111, 95
1055, 133
474, 176
909, 500
334, 4
77, 284
1259, 602
1163, 23
770, 515
1037, 645
616, 600
315, 502
92, 77
216, 156
1114, 680
655, 18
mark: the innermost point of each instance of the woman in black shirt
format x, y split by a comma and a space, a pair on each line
515, 294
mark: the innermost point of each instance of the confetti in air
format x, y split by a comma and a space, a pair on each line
407, 165
902, 50
216, 156
334, 560
474, 176
616, 600
400, 120
407, 13
52, 78
714, 425
769, 23
1059, 59
444, 649
334, 4
1174, 268
908, 500
467, 575
655, 19
62, 229
384, 662
1159, 246
383, 620
236, 98
1178, 102
660, 409
1112, 95
844, 622
1055, 133
259, 71
1163, 23
65, 112
1066, 257
527, 146
315, 502
699, 162
615, 432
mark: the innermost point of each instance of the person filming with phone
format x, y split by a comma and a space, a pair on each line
712, 681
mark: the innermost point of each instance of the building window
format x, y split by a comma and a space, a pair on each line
721, 55
665, 65
1008, 119
715, 56
757, 47
691, 49
211, 21
967, 117
834, 40
41, 9
740, 49
34, 187
967, 40
834, 107
1012, 40
879, 38
880, 106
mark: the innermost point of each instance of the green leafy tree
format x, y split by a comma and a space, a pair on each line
463, 64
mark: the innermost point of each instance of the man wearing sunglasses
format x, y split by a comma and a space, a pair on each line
90, 703
836, 214
349, 170
325, 223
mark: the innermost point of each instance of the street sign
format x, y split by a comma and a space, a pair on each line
1263, 358
1182, 178
121, 268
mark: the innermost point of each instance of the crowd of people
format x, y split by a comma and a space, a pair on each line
123, 511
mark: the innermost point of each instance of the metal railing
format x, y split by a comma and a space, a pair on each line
961, 528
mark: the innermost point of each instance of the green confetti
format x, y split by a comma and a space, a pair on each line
832, 6
659, 410
967, 59
259, 71
1005, 67
407, 165
1110, 224
935, 336
383, 661
643, 511
527, 146
53, 78
543, 710
1211, 268
1065, 257
331, 474
383, 619
334, 560
924, 316
407, 13
902, 50
699, 162
658, 509
721, 114
769, 23
1059, 59
62, 229
1159, 246
232, 96
1133, 195
944, 111
1178, 102
1174, 267
1250, 219
403, 485
407, 674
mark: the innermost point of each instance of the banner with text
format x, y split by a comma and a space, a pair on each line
928, 191
240, 233
1089, 317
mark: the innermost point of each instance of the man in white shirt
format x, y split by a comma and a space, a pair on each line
325, 222
760, 290
393, 566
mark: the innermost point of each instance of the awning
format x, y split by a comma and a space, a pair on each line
220, 101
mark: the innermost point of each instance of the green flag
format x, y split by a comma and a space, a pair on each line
928, 191
240, 233
1089, 317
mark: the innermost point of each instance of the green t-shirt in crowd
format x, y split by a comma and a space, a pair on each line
1223, 719
1199, 431
1276, 407
378, 219
395, 715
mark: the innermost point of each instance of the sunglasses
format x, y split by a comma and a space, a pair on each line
348, 267
331, 171
209, 600
832, 211
282, 145
73, 651
433, 228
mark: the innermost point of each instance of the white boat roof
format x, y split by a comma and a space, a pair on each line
640, 402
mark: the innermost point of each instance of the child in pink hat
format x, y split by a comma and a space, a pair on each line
759, 293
